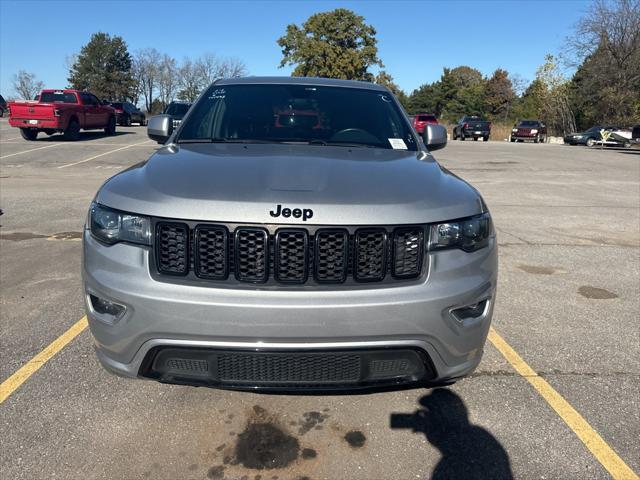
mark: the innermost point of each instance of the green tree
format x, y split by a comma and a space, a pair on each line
529, 105
103, 67
425, 99
499, 95
462, 93
336, 44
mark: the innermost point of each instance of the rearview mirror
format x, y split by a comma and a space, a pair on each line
160, 128
434, 136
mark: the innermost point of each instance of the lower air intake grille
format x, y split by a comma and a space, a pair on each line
283, 368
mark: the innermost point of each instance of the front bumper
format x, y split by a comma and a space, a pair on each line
413, 316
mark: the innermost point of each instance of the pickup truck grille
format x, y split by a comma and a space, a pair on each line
288, 255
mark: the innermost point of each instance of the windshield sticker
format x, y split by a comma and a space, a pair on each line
397, 144
385, 98
218, 93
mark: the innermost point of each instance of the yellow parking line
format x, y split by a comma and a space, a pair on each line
31, 150
592, 440
12, 383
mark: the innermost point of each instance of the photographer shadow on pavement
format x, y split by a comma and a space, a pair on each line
468, 451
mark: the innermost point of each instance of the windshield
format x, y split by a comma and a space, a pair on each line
298, 113
528, 123
177, 109
117, 105
426, 118
53, 97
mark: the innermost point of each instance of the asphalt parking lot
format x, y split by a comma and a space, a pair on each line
557, 394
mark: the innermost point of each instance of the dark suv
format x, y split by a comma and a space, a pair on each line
3, 106
177, 110
127, 113
472, 126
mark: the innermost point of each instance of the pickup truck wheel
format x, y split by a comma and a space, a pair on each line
462, 136
536, 140
72, 132
29, 134
455, 137
485, 139
475, 139
110, 129
143, 121
127, 121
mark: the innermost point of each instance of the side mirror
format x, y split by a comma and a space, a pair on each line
160, 128
434, 136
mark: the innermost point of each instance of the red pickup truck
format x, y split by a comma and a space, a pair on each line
62, 111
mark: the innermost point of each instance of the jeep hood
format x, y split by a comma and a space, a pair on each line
242, 183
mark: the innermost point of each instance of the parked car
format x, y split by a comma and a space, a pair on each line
127, 113
177, 110
3, 106
472, 126
534, 130
63, 111
422, 119
245, 256
619, 137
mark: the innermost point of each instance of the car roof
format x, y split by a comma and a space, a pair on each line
316, 81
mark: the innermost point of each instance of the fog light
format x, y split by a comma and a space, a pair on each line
470, 311
106, 307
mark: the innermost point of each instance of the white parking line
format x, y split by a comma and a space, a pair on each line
102, 154
31, 150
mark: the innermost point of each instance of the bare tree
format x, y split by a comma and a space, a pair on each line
168, 80
210, 68
147, 63
554, 96
26, 85
189, 80
606, 49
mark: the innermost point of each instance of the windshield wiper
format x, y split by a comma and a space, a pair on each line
342, 144
196, 140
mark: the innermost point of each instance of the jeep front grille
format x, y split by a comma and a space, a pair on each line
283, 255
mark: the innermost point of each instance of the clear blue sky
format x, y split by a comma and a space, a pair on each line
416, 39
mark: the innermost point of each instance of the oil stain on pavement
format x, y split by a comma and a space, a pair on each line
265, 444
596, 293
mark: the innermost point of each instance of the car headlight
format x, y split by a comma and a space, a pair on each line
578, 136
514, 130
534, 130
112, 226
468, 234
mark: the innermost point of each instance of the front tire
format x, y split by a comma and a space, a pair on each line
485, 139
475, 139
110, 129
455, 137
590, 142
143, 121
29, 134
72, 132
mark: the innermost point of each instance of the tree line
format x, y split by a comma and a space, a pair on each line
603, 51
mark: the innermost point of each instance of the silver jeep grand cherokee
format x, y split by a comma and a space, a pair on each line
293, 234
